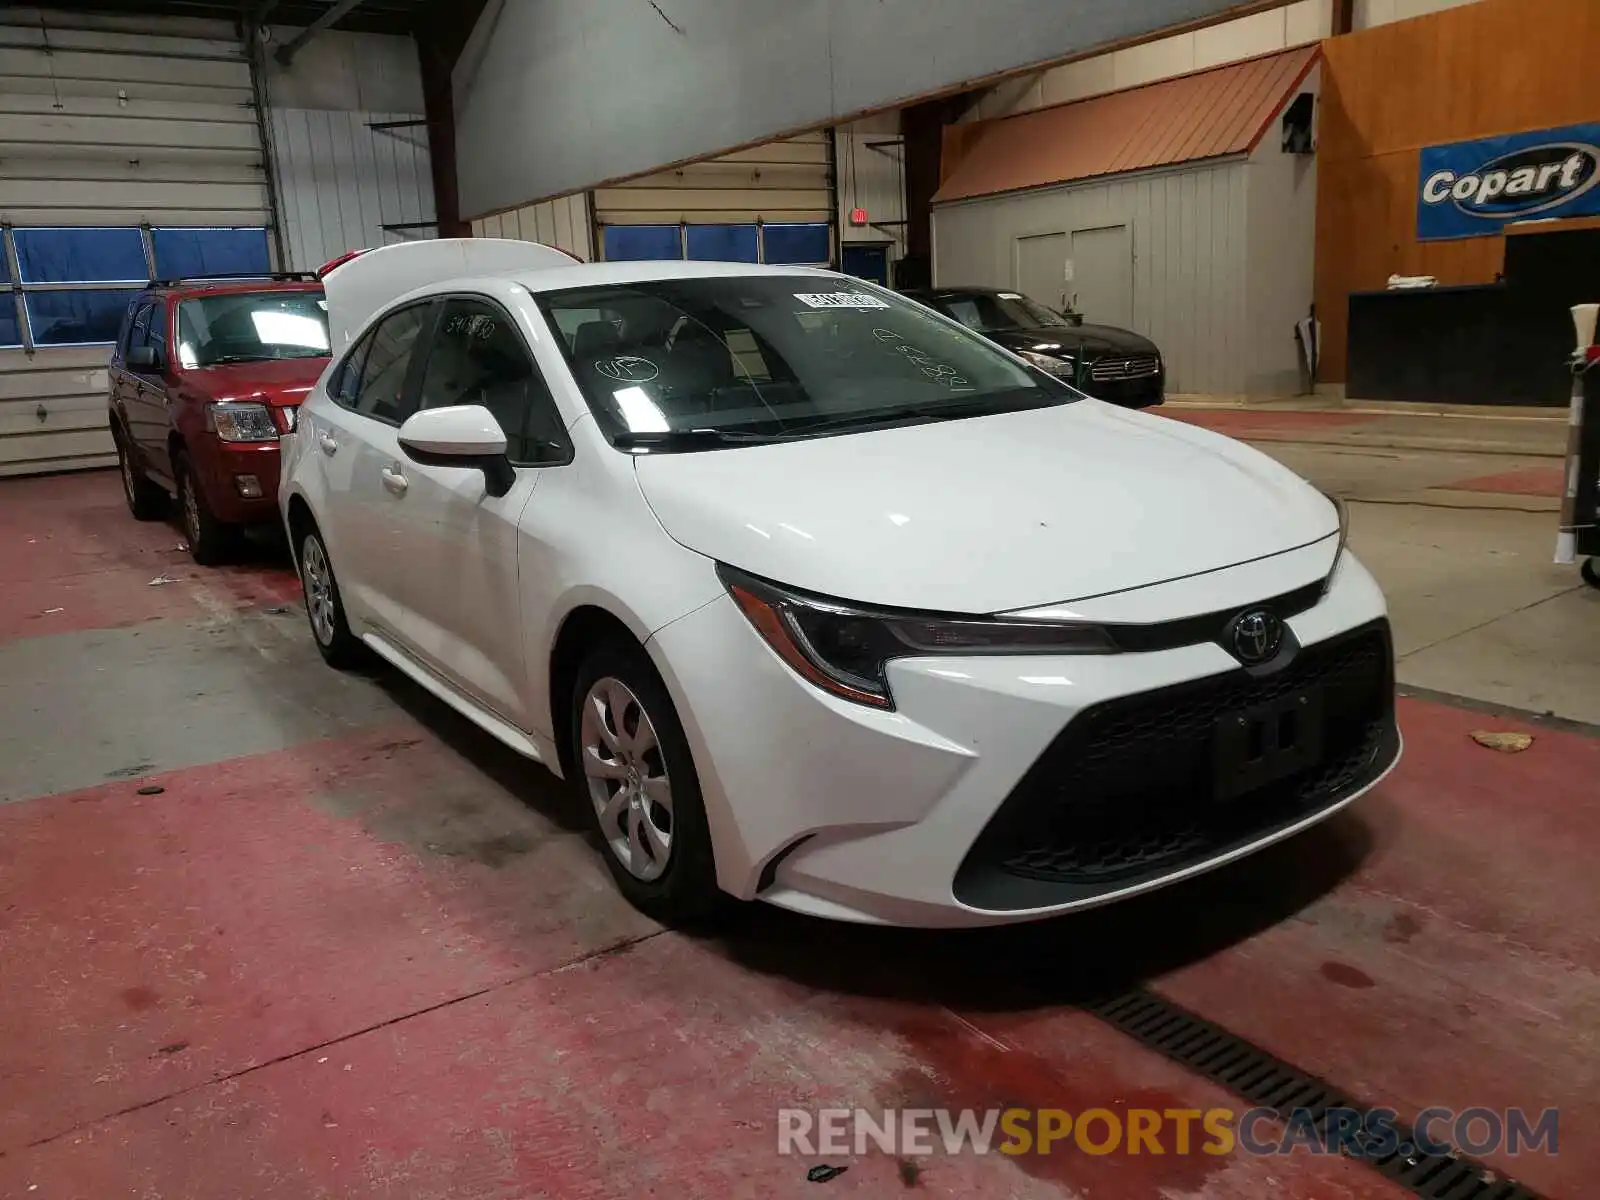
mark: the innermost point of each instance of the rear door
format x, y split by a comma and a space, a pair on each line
355, 442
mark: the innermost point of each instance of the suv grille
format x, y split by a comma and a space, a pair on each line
1137, 366
1125, 794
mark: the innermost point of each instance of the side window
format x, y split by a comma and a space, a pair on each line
478, 357
139, 330
158, 328
346, 382
387, 363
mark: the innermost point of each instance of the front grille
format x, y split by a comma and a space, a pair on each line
1135, 366
1126, 793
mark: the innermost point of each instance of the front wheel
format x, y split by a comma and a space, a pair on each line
325, 610
643, 791
210, 541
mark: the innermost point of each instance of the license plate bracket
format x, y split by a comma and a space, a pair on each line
1266, 742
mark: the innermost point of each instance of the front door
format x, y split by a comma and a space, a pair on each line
1102, 275
464, 612
1040, 269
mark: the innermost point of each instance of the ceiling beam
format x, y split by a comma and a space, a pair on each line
286, 52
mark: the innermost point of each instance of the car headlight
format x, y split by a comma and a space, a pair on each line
234, 421
1052, 363
843, 649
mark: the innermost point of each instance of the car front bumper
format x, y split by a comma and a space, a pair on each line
232, 469
989, 794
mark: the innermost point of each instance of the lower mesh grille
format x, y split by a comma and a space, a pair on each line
1128, 791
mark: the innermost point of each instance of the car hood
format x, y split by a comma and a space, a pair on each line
281, 381
988, 514
1090, 340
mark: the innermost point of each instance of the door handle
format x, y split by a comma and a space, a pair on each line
394, 481
329, 443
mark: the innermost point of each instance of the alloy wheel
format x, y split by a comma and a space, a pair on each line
317, 578
627, 778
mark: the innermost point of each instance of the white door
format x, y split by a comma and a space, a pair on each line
1039, 269
463, 613
356, 446
1102, 275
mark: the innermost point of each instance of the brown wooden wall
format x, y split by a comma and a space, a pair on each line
1491, 67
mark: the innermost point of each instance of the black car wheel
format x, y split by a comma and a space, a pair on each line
210, 541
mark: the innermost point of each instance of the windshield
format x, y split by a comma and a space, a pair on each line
252, 327
692, 363
995, 312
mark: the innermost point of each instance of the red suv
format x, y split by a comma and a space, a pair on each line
205, 378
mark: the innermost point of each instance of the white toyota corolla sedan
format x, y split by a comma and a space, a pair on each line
823, 599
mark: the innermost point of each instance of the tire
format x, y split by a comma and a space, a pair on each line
324, 608
210, 541
146, 500
1591, 572
628, 743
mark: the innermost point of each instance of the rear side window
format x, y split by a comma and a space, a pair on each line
387, 364
137, 327
346, 382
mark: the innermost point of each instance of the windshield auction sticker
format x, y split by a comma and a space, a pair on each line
839, 300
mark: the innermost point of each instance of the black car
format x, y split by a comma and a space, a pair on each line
1111, 364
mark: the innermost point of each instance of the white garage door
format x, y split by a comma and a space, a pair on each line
125, 153
770, 203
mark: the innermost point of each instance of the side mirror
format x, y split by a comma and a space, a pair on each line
462, 435
144, 358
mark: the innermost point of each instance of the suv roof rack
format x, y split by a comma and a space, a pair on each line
241, 277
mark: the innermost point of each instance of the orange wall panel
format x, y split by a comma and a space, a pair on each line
1492, 67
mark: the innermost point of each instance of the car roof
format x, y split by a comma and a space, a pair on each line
958, 291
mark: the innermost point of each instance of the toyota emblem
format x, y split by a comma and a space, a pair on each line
1255, 636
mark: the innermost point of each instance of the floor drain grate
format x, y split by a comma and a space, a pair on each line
1267, 1082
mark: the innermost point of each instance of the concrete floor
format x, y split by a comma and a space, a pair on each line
354, 948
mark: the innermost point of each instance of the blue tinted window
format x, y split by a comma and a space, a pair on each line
10, 335
796, 243
722, 243
80, 255
639, 243
182, 253
72, 318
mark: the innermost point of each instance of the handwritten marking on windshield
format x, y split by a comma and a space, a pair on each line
935, 370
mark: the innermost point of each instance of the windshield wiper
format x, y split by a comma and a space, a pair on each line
690, 439
904, 412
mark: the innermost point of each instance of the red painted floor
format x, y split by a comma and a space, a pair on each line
379, 962
1545, 479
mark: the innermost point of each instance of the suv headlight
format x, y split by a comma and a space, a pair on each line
234, 421
843, 649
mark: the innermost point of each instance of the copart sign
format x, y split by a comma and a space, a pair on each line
1470, 189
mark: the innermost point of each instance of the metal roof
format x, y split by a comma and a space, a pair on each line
1209, 114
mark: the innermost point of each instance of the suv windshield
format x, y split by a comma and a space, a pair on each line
997, 312
695, 363
252, 327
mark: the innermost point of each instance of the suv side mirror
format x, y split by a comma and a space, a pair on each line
461, 435
144, 358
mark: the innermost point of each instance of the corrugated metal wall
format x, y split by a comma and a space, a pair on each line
340, 181
1190, 246
780, 181
562, 223
350, 147
100, 128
